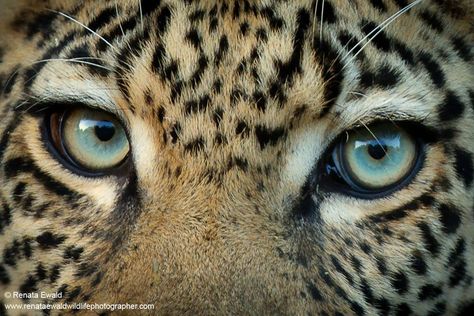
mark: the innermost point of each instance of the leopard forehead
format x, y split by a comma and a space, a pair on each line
229, 106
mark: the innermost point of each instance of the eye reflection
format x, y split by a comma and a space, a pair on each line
375, 158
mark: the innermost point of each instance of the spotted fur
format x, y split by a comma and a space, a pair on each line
230, 106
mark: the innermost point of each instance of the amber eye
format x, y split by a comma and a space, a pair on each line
92, 140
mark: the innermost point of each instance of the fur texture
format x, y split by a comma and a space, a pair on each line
230, 106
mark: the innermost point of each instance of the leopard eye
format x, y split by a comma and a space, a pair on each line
93, 141
376, 158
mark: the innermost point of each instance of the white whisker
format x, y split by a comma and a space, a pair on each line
84, 26
321, 23
378, 29
141, 12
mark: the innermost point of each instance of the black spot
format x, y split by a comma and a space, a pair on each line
224, 8
222, 50
244, 28
175, 131
266, 136
452, 108
73, 252
102, 19
41, 24
449, 218
332, 72
337, 265
163, 19
403, 310
242, 129
429, 291
418, 264
276, 22
439, 309
356, 264
27, 249
54, 273
262, 34
458, 272
432, 21
260, 100
401, 3
213, 24
466, 309
382, 305
217, 116
236, 95
366, 248
405, 53
217, 86
379, 5
40, 272
74, 293
313, 290
400, 283
197, 76
195, 145
197, 15
4, 277
367, 291
463, 165
381, 41
347, 40
463, 50
148, 7
194, 38
49, 240
157, 61
381, 265
325, 13
386, 77
433, 68
115, 33
236, 10
428, 238
29, 285
457, 252
18, 191
307, 208
356, 308
286, 70
160, 114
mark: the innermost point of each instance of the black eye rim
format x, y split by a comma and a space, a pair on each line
330, 182
62, 155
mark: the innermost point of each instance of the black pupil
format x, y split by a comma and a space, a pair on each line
377, 151
104, 130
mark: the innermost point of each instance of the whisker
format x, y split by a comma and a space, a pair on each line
378, 29
141, 12
120, 23
321, 22
314, 18
84, 26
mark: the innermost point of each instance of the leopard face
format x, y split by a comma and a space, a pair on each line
239, 157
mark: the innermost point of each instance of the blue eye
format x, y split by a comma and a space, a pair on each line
91, 140
375, 159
